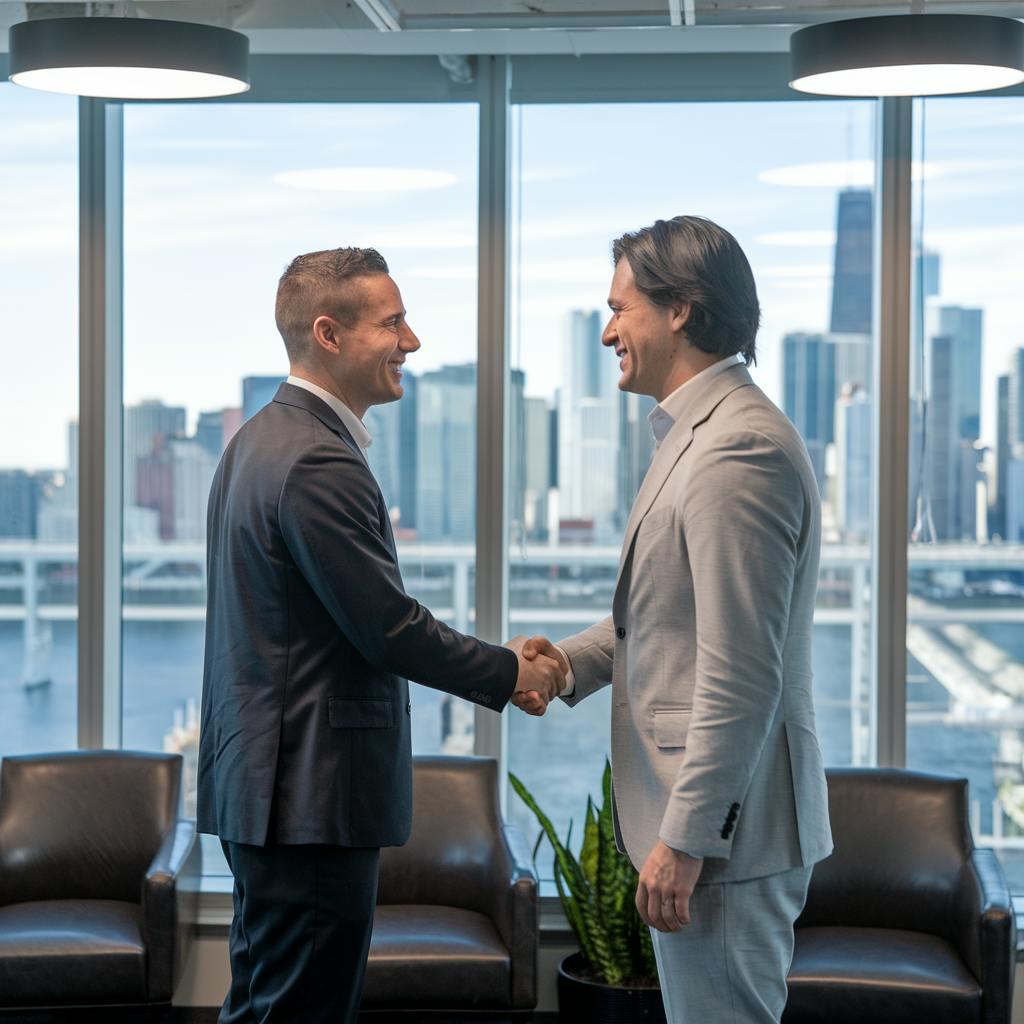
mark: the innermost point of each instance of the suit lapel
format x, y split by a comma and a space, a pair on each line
288, 394
701, 405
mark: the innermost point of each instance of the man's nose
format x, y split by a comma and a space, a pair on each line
409, 340
610, 335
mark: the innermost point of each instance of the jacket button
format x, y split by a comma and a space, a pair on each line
408, 708
620, 632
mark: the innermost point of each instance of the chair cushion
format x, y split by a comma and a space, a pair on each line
58, 952
441, 957
853, 975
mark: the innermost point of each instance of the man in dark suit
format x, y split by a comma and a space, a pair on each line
304, 760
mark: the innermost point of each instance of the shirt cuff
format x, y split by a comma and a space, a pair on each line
570, 678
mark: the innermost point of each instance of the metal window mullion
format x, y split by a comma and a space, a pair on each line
99, 435
891, 428
492, 416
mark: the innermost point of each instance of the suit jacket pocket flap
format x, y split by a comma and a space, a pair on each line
361, 712
671, 727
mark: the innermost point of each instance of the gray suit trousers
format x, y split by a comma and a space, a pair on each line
729, 965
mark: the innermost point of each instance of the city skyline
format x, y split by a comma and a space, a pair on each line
186, 311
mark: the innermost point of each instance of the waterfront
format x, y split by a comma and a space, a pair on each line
560, 756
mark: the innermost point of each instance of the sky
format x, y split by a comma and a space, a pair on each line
219, 197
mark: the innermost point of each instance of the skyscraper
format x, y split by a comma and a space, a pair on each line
446, 454
952, 423
588, 428
851, 277
145, 425
536, 453
853, 457
997, 506
392, 456
809, 393
636, 448
214, 429
1010, 450
174, 481
19, 504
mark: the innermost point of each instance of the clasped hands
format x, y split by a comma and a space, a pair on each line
542, 673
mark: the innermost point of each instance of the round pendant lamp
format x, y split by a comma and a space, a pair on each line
128, 58
908, 55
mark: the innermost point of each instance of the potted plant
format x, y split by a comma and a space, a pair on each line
614, 978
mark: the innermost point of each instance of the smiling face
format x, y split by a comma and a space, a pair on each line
647, 338
364, 358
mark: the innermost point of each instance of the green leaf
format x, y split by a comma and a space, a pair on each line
588, 852
598, 891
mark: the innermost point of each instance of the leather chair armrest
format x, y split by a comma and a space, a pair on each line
986, 933
170, 904
514, 912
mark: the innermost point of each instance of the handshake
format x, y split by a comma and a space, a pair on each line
542, 673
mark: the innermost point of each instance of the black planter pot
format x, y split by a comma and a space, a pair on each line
581, 1001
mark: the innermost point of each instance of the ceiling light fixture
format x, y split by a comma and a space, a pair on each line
128, 58
908, 55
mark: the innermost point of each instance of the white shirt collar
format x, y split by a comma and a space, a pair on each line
355, 426
663, 416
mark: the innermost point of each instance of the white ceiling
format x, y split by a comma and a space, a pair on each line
497, 26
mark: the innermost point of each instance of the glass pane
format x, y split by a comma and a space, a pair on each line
965, 630
38, 422
792, 181
218, 199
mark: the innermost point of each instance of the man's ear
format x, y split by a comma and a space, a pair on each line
680, 315
327, 334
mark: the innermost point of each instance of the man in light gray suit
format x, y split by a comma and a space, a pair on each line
719, 788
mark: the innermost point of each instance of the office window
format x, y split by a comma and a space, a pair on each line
218, 199
793, 182
965, 629
38, 422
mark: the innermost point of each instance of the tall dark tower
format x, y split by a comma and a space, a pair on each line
851, 277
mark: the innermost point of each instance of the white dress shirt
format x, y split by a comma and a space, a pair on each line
662, 419
355, 426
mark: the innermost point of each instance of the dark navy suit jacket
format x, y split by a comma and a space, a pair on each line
310, 638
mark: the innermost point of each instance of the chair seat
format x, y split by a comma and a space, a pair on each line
71, 951
852, 975
438, 957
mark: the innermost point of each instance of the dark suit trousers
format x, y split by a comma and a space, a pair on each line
300, 934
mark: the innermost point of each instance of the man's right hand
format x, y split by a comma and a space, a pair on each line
540, 679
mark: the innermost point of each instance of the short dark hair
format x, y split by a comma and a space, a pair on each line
692, 259
321, 284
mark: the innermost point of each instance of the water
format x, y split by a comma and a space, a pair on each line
559, 757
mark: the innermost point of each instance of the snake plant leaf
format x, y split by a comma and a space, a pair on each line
598, 891
588, 852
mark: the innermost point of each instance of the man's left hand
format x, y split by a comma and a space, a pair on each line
666, 884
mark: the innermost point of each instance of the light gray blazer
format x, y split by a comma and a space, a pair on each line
708, 647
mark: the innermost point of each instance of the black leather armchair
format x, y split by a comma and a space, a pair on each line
456, 921
906, 922
96, 872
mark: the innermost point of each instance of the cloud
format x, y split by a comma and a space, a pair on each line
366, 179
